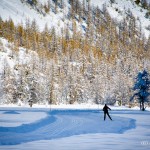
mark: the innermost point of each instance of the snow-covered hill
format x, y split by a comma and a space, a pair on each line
95, 60
20, 10
121, 8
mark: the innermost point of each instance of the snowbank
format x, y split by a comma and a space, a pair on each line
87, 106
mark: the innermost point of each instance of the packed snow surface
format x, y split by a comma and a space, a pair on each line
65, 129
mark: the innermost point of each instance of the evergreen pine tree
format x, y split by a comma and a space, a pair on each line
141, 86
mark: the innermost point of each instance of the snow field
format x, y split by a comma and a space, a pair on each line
61, 123
71, 126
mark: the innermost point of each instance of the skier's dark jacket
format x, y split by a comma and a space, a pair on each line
105, 109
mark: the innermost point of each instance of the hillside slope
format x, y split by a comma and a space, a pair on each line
80, 53
20, 10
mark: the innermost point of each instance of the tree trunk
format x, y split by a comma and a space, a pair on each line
143, 106
140, 106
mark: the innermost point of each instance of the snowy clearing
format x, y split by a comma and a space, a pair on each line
67, 129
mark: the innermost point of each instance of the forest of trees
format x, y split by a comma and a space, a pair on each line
97, 64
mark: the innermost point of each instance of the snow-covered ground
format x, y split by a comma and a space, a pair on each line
24, 128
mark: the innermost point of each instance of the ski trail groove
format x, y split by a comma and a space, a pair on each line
60, 124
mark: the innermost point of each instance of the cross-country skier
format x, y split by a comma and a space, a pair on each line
105, 109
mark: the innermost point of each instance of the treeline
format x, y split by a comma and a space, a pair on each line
96, 64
